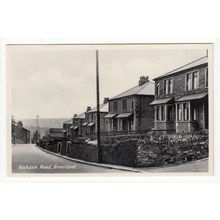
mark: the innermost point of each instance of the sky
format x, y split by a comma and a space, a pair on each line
58, 81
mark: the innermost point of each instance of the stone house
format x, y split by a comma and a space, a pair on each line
181, 98
78, 121
67, 128
19, 134
130, 110
91, 118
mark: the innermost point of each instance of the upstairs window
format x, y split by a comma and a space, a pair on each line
124, 104
115, 105
206, 77
192, 80
168, 86
195, 81
157, 88
132, 103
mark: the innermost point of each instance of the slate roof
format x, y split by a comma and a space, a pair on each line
161, 101
190, 65
145, 89
193, 97
82, 115
103, 108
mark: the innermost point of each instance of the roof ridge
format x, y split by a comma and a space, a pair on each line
141, 88
181, 67
100, 106
125, 91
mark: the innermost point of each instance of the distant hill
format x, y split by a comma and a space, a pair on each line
44, 124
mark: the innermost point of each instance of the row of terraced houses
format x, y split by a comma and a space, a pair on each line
175, 102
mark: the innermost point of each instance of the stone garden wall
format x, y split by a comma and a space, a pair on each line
153, 149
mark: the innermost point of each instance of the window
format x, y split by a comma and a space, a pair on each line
124, 104
115, 105
120, 128
157, 88
168, 86
160, 113
186, 111
179, 112
189, 81
195, 81
132, 103
183, 112
110, 124
192, 80
206, 77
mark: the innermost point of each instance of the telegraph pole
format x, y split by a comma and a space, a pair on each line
98, 110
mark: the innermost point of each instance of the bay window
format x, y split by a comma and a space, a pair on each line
160, 113
183, 111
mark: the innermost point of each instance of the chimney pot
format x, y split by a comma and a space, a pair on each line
105, 100
88, 108
143, 80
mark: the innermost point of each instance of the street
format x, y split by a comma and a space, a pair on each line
27, 158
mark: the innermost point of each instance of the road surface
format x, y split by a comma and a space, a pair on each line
27, 158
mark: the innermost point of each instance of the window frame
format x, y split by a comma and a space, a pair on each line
124, 104
115, 105
186, 82
183, 111
159, 113
172, 113
158, 88
166, 86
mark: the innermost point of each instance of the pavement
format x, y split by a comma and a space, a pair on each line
193, 166
28, 158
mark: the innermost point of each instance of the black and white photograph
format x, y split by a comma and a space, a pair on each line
123, 109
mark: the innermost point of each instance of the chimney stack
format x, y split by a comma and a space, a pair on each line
105, 100
88, 108
75, 115
143, 80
